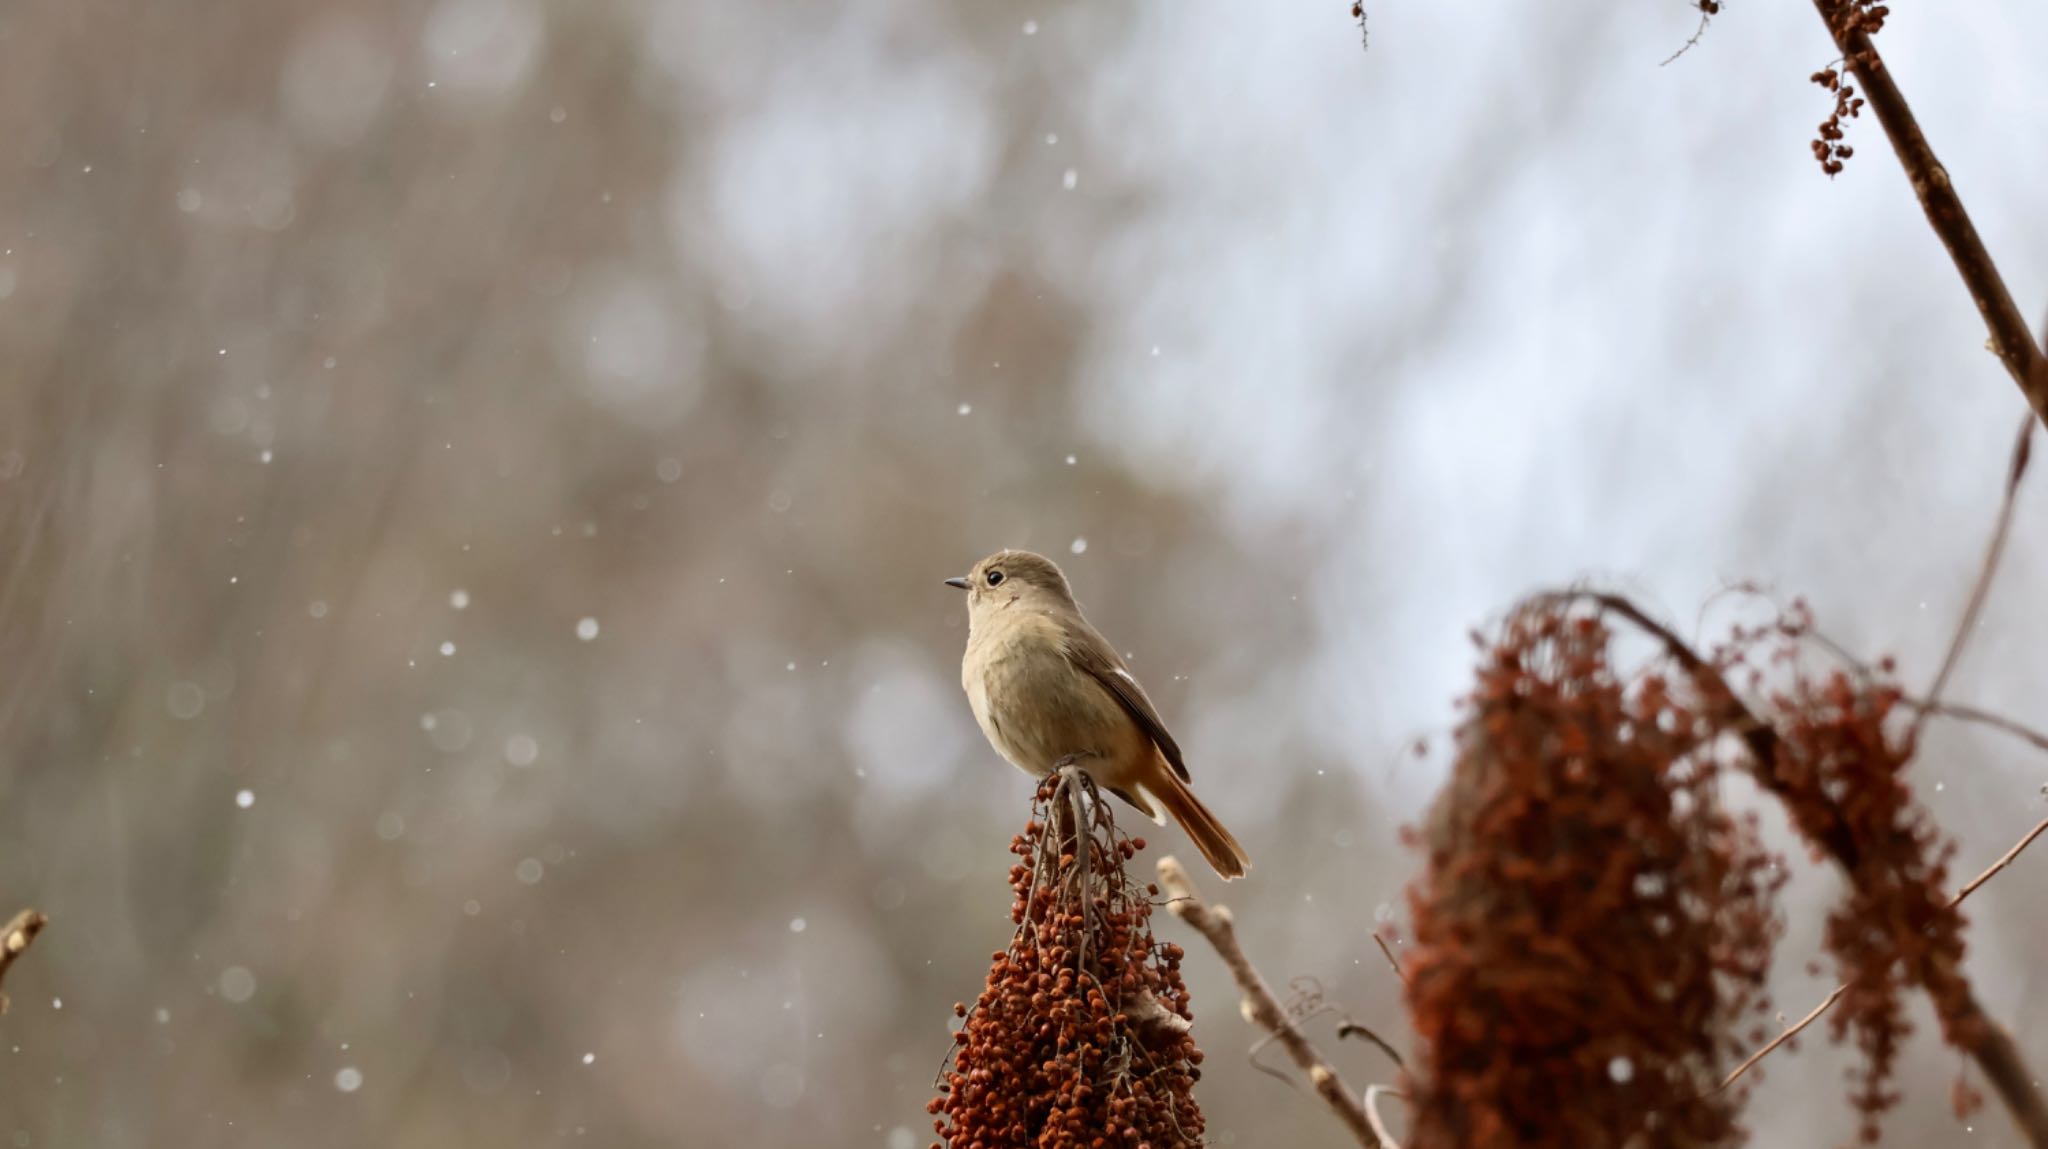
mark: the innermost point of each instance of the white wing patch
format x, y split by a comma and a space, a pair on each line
1126, 676
1151, 799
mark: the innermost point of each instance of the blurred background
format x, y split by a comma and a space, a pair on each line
475, 477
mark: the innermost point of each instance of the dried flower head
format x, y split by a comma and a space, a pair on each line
1080, 1037
1832, 748
1842, 751
1592, 926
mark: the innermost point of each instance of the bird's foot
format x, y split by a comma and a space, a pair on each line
1069, 766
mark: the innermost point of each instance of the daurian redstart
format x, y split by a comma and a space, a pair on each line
1048, 689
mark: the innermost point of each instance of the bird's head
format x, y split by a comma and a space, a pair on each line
1009, 576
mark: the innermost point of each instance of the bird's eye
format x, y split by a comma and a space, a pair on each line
995, 578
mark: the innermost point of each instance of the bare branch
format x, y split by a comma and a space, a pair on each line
2010, 337
1350, 1028
2021, 449
1373, 1093
15, 939
1791, 1032
1999, 722
1707, 10
1259, 1005
2004, 860
1391, 960
1969, 888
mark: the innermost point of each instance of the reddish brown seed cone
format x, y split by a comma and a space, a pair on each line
1591, 926
1081, 1034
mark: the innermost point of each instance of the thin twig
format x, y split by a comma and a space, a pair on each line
1969, 887
1791, 1032
1965, 713
1260, 1007
1391, 960
2004, 860
1254, 1054
1373, 1094
1305, 1006
2010, 338
1349, 1028
15, 938
2021, 448
1070, 786
1692, 41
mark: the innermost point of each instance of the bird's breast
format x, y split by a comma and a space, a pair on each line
1034, 704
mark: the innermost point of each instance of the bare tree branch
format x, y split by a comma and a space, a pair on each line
1391, 960
1259, 1005
2022, 448
1981, 717
2010, 337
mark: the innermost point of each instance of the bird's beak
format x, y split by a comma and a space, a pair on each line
959, 582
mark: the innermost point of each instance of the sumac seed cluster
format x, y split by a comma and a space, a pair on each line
1593, 930
1080, 1038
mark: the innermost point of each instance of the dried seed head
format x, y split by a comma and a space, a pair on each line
1591, 924
1840, 773
1846, 19
1081, 1037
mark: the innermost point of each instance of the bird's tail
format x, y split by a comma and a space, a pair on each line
1225, 856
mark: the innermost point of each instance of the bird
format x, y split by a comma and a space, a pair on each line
1048, 690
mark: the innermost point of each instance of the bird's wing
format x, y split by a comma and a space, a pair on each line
1088, 650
